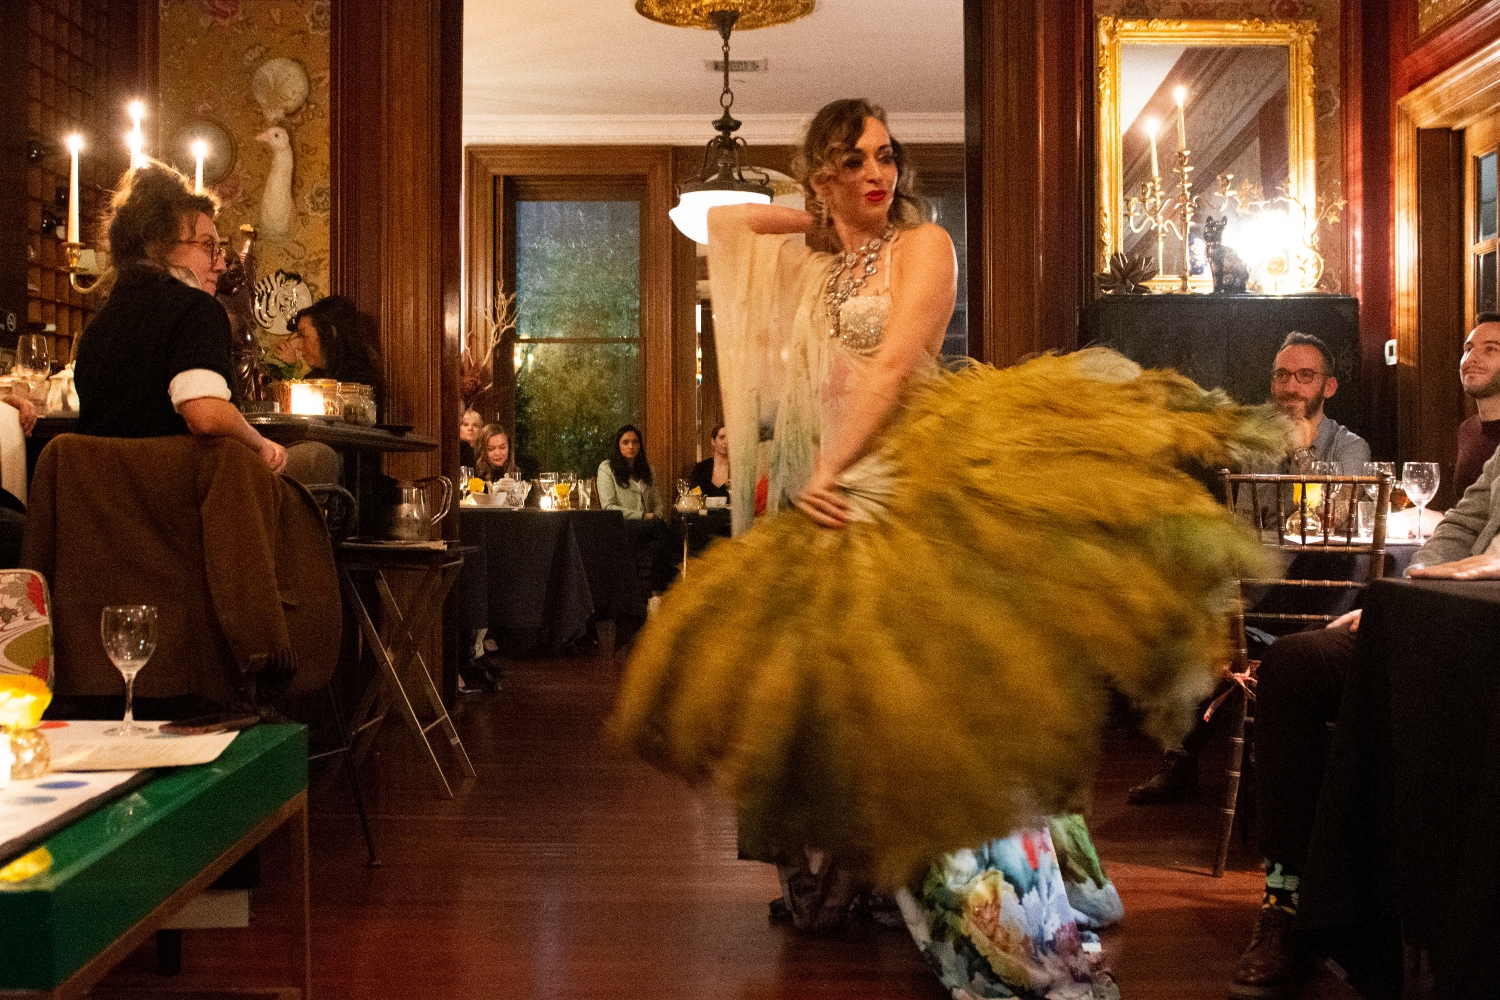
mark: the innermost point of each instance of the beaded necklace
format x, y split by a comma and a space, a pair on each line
861, 265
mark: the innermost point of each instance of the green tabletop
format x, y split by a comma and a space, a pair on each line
114, 866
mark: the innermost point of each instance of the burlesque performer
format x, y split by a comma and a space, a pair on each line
909, 655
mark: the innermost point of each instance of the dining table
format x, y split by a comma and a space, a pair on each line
548, 575
1402, 874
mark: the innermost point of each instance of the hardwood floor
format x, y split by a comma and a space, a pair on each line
566, 870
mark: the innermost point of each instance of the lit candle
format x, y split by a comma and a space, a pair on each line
200, 150
137, 141
307, 399
1181, 120
75, 146
1151, 127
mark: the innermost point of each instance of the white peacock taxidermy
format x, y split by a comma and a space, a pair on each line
278, 299
277, 213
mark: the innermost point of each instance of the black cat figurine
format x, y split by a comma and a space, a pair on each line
1230, 273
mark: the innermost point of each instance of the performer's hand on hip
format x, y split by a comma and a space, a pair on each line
823, 501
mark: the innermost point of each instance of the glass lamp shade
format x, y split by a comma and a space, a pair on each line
691, 214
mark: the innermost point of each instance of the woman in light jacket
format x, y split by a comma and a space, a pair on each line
625, 484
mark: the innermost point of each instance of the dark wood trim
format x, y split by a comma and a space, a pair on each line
14, 235
1028, 105
1422, 59
489, 168
1432, 385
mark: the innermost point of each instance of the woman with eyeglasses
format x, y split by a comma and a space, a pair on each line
155, 359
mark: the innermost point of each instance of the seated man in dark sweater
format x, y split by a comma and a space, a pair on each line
1479, 371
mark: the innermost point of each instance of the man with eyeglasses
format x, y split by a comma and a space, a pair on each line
1301, 382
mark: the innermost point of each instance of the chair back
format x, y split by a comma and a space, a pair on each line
1332, 519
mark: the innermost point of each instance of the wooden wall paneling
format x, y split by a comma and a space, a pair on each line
487, 169
13, 171
396, 161
1440, 320
1420, 59
1366, 86
1025, 83
1450, 100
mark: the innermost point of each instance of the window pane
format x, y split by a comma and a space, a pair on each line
578, 269
948, 212
1484, 282
570, 400
1488, 196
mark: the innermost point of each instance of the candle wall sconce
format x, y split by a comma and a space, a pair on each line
218, 148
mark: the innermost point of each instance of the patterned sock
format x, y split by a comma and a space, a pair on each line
1281, 887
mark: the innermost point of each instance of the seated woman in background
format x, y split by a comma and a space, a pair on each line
711, 476
495, 460
469, 426
337, 344
625, 484
155, 359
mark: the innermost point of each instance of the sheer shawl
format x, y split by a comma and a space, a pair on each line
770, 333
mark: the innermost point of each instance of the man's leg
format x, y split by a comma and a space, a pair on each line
1299, 684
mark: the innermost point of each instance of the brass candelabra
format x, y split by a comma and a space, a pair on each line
1156, 211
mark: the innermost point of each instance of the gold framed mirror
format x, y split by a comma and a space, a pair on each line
1248, 114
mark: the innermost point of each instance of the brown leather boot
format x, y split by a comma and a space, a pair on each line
1273, 966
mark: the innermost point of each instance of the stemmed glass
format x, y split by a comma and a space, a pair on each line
1421, 481
129, 633
32, 356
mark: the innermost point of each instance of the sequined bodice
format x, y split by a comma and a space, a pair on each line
862, 322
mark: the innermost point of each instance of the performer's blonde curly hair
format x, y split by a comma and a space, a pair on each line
834, 131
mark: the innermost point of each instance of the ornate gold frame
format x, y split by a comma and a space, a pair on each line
1112, 32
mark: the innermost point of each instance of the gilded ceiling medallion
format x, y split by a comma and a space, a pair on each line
695, 13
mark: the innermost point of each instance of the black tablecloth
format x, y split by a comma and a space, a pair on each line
546, 574
1407, 837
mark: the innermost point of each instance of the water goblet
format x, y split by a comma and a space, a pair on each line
129, 634
1420, 480
33, 359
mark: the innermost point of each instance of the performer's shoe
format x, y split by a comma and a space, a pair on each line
1273, 966
1177, 781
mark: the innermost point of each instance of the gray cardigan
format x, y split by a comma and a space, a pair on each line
1470, 526
635, 498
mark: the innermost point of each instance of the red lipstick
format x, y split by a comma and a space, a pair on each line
876, 196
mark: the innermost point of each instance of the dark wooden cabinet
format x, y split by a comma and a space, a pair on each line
1230, 341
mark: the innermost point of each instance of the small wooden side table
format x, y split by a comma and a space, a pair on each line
436, 570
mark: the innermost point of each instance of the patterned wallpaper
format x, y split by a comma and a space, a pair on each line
1333, 240
210, 52
1431, 13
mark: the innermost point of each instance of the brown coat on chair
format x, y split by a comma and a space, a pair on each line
235, 558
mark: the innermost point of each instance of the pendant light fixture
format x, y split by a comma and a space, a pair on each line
722, 180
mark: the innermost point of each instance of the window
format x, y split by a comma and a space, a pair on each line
578, 351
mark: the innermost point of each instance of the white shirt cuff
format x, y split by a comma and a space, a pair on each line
196, 383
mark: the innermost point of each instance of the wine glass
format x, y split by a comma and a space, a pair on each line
1421, 481
129, 633
32, 356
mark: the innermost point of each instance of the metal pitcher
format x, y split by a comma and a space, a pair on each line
412, 519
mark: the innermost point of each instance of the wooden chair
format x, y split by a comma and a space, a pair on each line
1306, 514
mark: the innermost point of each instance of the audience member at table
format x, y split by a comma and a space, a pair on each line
1302, 380
1479, 371
469, 426
155, 359
495, 460
711, 476
12, 510
339, 344
625, 484
1299, 685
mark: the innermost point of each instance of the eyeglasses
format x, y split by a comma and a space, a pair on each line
214, 248
1304, 376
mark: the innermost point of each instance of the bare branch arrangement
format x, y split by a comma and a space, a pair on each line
477, 364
